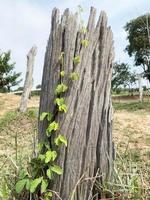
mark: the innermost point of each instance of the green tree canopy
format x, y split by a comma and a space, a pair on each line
138, 31
8, 77
38, 86
122, 76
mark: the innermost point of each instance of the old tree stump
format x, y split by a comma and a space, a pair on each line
88, 121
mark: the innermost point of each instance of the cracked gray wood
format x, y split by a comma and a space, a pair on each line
28, 79
88, 122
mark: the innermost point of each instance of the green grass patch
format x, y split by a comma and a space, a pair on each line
18, 134
132, 106
129, 174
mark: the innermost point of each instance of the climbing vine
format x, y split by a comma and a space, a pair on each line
42, 169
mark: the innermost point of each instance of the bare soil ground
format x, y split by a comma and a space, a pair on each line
10, 102
132, 130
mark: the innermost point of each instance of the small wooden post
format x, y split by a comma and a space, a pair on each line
28, 80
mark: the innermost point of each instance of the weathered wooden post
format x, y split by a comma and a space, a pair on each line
28, 79
88, 121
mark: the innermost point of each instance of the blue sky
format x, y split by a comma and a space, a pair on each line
27, 22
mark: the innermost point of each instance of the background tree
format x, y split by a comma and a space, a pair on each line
122, 76
138, 31
38, 86
8, 77
19, 89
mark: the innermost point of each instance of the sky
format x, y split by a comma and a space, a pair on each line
25, 23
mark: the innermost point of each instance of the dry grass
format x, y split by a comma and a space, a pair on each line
132, 140
131, 130
10, 102
18, 132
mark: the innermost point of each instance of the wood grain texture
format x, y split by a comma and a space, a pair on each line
88, 122
28, 79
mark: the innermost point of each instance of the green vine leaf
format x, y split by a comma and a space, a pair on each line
74, 76
22, 174
41, 157
61, 140
48, 195
46, 115
28, 184
43, 144
50, 156
76, 60
61, 104
49, 173
34, 184
63, 108
44, 185
20, 185
61, 88
56, 169
49, 116
59, 101
54, 126
43, 116
62, 73
85, 43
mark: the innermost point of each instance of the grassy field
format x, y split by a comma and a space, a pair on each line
132, 141
10, 102
130, 132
